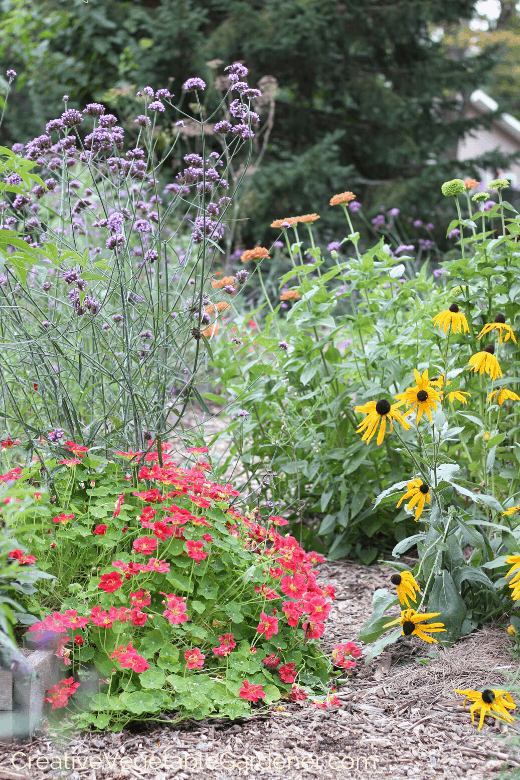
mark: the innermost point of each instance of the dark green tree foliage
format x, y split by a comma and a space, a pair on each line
367, 99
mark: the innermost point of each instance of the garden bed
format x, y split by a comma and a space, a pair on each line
399, 714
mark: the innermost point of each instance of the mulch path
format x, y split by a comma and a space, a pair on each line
398, 717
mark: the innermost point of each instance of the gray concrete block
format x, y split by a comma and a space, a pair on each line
6, 690
28, 694
23, 690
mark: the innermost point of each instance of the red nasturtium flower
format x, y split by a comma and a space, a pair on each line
77, 449
100, 530
194, 658
59, 693
271, 661
20, 556
138, 618
251, 692
71, 462
110, 582
119, 501
145, 545
175, 611
130, 659
78, 640
296, 586
287, 673
102, 618
268, 625
297, 693
195, 550
140, 598
63, 518
8, 443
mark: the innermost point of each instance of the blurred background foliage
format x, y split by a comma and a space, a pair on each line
368, 92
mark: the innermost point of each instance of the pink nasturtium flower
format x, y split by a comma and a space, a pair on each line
194, 658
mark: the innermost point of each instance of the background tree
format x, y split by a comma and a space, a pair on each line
368, 100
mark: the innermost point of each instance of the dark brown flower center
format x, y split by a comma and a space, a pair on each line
500, 318
422, 395
395, 579
488, 696
424, 488
408, 627
490, 348
454, 308
382, 406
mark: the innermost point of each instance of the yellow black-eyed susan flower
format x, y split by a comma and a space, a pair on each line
502, 395
406, 586
486, 361
379, 412
422, 397
511, 511
418, 492
515, 582
458, 395
454, 317
413, 624
500, 325
489, 702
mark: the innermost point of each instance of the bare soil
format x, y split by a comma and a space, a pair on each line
399, 717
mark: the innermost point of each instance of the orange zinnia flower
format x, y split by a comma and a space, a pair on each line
470, 184
211, 331
343, 197
286, 296
223, 282
279, 222
255, 254
307, 218
220, 306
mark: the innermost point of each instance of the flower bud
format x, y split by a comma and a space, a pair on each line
453, 187
497, 184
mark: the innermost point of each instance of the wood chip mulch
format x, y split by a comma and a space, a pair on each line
398, 718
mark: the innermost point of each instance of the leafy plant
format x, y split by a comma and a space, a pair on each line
169, 600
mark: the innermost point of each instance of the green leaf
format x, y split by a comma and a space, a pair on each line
405, 545
471, 574
445, 598
378, 647
325, 498
152, 678
395, 488
138, 702
308, 374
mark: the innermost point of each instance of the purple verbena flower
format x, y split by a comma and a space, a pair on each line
393, 212
222, 127
107, 121
11, 75
142, 226
94, 109
333, 245
71, 117
241, 276
454, 233
156, 106
404, 248
194, 84
354, 205
115, 241
55, 435
417, 223
283, 345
